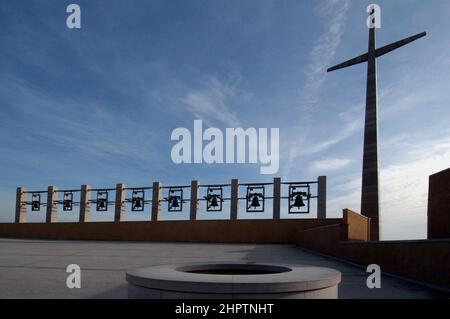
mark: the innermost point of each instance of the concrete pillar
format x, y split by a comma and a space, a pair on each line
234, 199
322, 197
119, 207
52, 205
194, 201
156, 205
85, 206
276, 197
21, 207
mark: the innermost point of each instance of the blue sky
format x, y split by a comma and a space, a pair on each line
98, 105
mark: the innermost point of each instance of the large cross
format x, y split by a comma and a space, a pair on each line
370, 182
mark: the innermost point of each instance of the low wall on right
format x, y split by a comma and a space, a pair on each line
423, 260
427, 261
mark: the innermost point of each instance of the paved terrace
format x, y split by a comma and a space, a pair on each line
36, 268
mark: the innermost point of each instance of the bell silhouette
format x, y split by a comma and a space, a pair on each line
138, 203
255, 201
214, 202
67, 204
175, 202
298, 201
101, 204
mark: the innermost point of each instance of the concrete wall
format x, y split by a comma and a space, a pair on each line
439, 205
423, 260
238, 231
324, 238
358, 226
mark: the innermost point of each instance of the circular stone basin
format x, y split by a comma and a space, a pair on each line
233, 269
233, 280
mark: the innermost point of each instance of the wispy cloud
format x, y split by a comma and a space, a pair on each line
338, 137
301, 149
331, 164
88, 126
334, 14
212, 103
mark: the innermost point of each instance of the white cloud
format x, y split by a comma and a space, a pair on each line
212, 103
351, 200
334, 16
347, 131
403, 189
90, 126
332, 164
301, 149
350, 186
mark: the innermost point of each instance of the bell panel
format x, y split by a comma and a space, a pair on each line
255, 199
214, 199
299, 199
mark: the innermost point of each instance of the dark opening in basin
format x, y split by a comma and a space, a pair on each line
233, 269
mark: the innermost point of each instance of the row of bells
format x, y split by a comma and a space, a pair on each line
138, 202
298, 202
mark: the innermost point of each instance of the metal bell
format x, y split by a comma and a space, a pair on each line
138, 203
101, 204
214, 202
255, 201
298, 201
175, 202
67, 204
35, 206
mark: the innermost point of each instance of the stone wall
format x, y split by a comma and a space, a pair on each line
358, 226
427, 261
282, 231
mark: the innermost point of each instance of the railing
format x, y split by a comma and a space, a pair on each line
172, 199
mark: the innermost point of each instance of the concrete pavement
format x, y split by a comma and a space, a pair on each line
37, 268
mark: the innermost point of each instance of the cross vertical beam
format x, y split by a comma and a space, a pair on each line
370, 205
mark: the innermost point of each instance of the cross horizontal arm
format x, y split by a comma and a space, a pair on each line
378, 52
391, 47
357, 60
